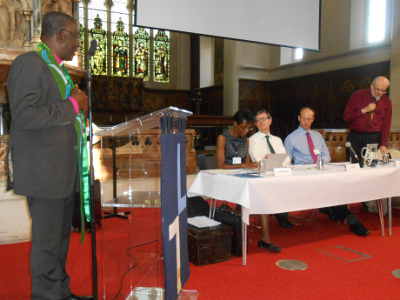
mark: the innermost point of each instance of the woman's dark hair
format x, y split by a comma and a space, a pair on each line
242, 116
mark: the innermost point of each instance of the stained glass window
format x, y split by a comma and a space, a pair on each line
120, 38
161, 55
98, 63
82, 40
141, 57
120, 48
123, 50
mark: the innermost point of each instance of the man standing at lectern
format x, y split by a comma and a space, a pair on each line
368, 114
45, 106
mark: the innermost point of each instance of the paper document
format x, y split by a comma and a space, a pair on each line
229, 171
202, 222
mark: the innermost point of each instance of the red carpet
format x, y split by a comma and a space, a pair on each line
340, 264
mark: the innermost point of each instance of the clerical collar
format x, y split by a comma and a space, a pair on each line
58, 60
374, 98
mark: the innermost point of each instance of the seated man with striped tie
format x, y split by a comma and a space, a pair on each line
261, 144
300, 145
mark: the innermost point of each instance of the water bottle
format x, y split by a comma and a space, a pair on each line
320, 162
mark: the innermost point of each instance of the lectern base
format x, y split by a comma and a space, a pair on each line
156, 293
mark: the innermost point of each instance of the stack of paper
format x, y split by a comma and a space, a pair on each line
202, 222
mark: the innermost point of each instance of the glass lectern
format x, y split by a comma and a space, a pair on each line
142, 242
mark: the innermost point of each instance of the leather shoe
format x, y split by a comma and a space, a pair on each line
269, 246
356, 226
74, 297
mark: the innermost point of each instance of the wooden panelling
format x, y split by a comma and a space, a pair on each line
211, 101
118, 99
158, 99
254, 94
336, 140
327, 93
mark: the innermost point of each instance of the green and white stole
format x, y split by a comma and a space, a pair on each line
65, 85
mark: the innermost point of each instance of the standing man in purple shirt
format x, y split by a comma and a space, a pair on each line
368, 114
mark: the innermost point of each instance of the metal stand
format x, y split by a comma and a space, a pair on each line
115, 213
380, 203
92, 204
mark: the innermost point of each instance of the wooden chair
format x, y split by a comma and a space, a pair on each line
336, 144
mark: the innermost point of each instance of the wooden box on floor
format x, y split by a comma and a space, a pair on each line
209, 245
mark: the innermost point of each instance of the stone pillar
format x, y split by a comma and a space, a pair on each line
109, 4
28, 28
395, 66
36, 20
231, 78
207, 61
130, 7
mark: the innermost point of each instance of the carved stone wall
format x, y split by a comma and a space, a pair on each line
64, 6
14, 23
138, 156
3, 157
20, 22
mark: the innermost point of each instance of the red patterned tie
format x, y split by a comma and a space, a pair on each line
311, 147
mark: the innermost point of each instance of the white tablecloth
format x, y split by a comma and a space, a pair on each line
307, 188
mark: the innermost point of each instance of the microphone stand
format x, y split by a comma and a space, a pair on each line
91, 172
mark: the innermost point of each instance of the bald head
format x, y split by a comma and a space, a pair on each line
381, 80
379, 87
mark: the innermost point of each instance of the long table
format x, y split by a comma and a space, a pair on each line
306, 188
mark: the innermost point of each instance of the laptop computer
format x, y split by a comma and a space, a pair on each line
276, 160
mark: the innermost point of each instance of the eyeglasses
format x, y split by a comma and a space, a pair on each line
263, 119
382, 91
73, 34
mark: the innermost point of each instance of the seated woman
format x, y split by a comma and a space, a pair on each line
232, 144
232, 153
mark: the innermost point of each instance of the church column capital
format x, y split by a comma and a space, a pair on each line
131, 5
108, 3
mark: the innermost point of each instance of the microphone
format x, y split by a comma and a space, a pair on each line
348, 145
92, 48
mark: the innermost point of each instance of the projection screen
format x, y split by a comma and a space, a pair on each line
292, 23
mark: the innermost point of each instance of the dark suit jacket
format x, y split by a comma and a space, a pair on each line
42, 131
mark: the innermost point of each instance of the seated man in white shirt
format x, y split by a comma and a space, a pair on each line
261, 144
301, 145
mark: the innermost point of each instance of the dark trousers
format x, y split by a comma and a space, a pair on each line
360, 139
51, 230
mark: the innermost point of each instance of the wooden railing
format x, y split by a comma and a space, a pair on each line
336, 140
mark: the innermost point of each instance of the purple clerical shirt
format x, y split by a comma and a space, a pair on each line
378, 121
